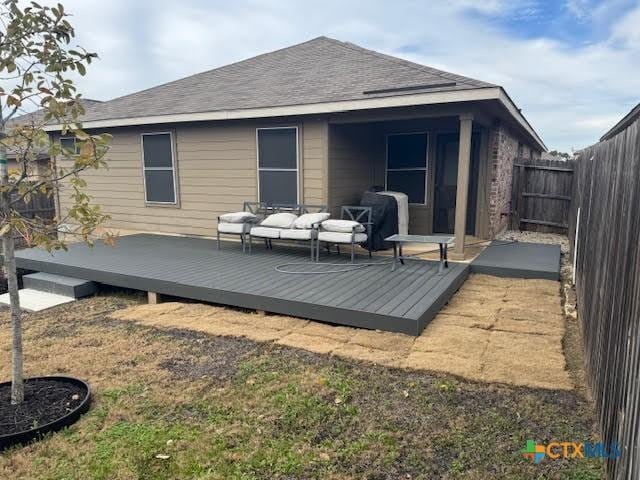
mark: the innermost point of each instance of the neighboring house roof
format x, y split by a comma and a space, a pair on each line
322, 75
36, 116
627, 120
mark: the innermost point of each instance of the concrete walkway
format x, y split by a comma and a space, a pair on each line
493, 330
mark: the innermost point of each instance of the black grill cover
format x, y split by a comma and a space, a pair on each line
384, 217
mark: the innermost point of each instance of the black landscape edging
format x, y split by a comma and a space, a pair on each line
70, 418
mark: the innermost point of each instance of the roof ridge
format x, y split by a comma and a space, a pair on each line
216, 68
417, 66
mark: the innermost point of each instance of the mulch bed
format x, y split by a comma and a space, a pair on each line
44, 401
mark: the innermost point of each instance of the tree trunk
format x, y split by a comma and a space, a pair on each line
17, 381
9, 264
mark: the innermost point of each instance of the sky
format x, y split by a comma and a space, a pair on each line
573, 66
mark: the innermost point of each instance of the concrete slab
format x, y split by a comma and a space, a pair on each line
35, 300
519, 260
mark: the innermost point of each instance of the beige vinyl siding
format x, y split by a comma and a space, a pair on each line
314, 162
354, 163
216, 171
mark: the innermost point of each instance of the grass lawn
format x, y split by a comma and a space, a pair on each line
179, 404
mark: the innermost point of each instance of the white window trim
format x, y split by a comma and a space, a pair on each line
75, 143
424, 169
172, 168
268, 169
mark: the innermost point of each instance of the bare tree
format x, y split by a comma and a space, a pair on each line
37, 66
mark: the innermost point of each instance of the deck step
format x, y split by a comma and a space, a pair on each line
66, 286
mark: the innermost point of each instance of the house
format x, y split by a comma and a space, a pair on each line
318, 122
40, 165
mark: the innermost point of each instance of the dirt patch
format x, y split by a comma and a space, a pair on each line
221, 364
494, 329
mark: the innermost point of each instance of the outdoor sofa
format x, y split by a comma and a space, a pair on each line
298, 222
273, 221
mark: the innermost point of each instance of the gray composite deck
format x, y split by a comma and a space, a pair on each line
519, 260
373, 297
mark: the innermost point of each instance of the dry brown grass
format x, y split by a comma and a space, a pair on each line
494, 329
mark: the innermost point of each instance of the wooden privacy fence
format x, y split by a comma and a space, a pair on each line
541, 195
39, 205
605, 235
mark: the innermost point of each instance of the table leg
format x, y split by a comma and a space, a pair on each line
446, 262
401, 255
440, 265
395, 256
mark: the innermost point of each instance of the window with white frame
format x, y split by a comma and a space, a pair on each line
407, 165
158, 167
68, 145
278, 164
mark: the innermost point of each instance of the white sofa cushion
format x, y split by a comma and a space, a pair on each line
295, 234
344, 226
308, 220
265, 232
341, 237
238, 217
279, 220
231, 227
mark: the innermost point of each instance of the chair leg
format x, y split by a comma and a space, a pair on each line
338, 248
218, 238
242, 242
312, 250
250, 243
353, 252
266, 244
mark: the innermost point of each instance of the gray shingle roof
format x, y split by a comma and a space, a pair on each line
36, 115
317, 71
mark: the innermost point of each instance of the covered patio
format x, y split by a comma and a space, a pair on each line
438, 155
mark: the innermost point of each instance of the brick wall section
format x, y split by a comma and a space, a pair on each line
503, 149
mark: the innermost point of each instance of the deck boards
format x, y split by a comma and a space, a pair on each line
505, 258
373, 297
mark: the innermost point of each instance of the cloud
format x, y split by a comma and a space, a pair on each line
568, 92
580, 8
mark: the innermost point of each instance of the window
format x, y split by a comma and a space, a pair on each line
69, 145
278, 164
407, 165
158, 167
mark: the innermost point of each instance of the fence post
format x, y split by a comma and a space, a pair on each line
516, 196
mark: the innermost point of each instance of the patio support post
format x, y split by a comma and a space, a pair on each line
462, 190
